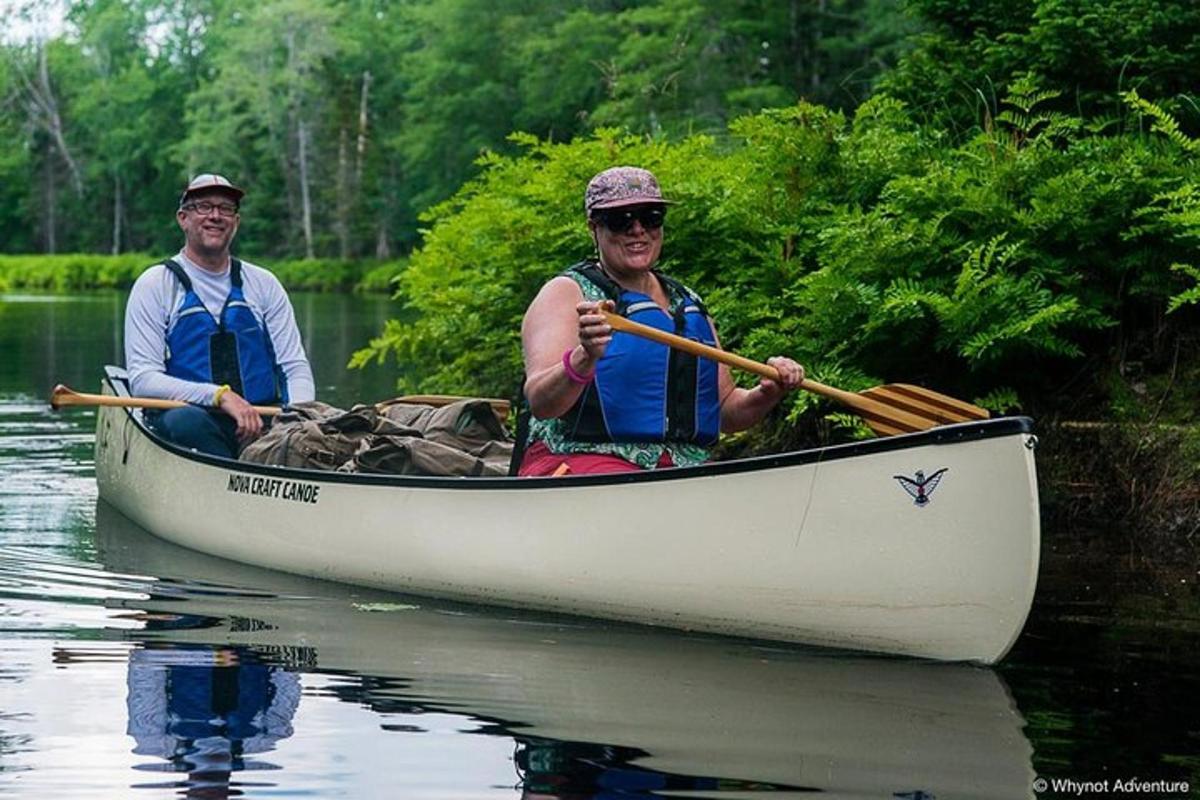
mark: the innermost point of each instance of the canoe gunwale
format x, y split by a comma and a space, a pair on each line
948, 434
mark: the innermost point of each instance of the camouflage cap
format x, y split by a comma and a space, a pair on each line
621, 186
208, 180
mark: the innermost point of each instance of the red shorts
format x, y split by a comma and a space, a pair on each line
539, 462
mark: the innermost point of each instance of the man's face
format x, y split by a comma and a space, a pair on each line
209, 220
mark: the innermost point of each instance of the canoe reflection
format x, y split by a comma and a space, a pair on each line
600, 710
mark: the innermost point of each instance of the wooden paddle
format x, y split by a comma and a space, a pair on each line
64, 396
887, 410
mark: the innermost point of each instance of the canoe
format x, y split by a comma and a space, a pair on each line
923, 544
783, 721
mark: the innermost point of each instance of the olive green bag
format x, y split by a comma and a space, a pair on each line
463, 438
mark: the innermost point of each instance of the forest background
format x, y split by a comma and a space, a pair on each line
998, 199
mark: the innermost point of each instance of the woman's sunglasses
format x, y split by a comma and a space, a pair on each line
620, 220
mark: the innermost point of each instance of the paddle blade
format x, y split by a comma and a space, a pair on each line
933, 407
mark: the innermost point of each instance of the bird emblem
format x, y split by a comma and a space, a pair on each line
919, 487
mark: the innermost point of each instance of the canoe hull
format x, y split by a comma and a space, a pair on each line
824, 548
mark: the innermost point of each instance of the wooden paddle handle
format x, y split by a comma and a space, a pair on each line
855, 401
64, 396
619, 323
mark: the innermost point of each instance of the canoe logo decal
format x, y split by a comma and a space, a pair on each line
920, 486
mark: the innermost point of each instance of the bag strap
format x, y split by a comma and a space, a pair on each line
522, 438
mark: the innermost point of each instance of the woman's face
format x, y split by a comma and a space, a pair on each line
629, 239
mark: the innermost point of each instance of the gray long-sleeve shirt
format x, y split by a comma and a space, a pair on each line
153, 310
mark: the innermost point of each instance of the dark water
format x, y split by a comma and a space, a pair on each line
133, 668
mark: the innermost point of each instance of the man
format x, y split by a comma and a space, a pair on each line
213, 331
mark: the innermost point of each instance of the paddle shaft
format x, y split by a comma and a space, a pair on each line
62, 396
619, 323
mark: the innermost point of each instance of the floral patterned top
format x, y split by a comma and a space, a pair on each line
555, 435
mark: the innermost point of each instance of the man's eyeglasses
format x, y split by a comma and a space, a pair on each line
620, 220
204, 208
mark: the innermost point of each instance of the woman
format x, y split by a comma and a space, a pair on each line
605, 402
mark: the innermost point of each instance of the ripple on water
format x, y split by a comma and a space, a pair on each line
47, 490
45, 591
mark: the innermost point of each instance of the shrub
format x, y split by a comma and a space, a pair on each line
76, 271
871, 248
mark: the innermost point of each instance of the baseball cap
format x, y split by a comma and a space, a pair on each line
622, 186
208, 180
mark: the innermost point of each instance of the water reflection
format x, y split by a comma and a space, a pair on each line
207, 711
591, 710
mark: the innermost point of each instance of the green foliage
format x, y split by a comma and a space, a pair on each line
871, 248
72, 272
1174, 215
492, 246
1000, 401
346, 119
992, 312
76, 271
1189, 296
331, 274
1021, 196
1162, 121
1088, 49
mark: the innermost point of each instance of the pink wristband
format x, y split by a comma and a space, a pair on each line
572, 375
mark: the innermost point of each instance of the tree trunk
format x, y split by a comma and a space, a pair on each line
361, 152
118, 213
51, 209
817, 34
795, 45
44, 98
305, 200
344, 193
387, 183
383, 248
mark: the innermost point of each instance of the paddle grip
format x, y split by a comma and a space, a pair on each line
619, 323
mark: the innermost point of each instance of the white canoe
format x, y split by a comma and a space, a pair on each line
826, 546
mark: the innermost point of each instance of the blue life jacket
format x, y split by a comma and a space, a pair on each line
645, 391
232, 350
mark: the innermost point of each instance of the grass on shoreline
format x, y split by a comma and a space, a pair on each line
80, 271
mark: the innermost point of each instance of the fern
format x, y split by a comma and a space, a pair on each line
1002, 400
1188, 296
1161, 121
991, 309
1027, 122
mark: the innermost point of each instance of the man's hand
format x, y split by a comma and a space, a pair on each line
249, 423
